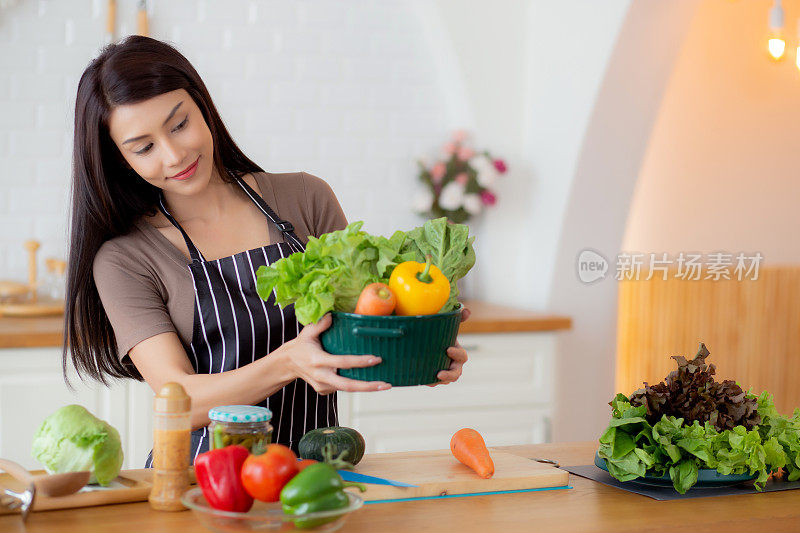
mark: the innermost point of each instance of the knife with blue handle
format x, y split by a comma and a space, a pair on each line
348, 475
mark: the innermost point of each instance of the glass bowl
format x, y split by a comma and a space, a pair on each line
264, 516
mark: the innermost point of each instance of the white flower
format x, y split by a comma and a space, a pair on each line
423, 200
487, 173
473, 204
452, 196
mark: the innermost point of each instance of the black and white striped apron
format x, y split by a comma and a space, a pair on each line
233, 327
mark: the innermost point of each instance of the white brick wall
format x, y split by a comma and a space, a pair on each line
346, 90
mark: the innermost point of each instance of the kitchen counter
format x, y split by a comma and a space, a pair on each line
31, 332
486, 318
588, 506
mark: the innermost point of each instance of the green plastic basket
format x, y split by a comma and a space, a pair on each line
413, 349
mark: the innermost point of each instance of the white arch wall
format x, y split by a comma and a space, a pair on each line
610, 158
594, 75
525, 76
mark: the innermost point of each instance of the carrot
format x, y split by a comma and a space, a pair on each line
376, 299
468, 447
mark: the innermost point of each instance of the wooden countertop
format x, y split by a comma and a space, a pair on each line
588, 506
31, 332
485, 318
492, 318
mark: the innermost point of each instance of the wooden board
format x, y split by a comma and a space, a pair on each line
438, 473
135, 487
751, 327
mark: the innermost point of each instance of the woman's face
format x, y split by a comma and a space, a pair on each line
166, 141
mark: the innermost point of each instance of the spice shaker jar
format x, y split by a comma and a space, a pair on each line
245, 425
172, 442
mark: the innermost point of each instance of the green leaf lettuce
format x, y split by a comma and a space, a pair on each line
334, 268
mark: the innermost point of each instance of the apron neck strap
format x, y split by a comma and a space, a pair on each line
286, 227
193, 251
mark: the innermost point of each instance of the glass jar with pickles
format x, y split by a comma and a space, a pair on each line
246, 425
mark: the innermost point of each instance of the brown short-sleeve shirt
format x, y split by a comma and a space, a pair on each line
144, 280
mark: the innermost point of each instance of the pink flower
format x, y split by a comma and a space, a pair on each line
488, 198
459, 136
438, 171
500, 165
449, 148
465, 154
462, 178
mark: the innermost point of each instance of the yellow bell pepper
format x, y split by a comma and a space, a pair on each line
420, 288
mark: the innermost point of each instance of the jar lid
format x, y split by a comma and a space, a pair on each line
240, 413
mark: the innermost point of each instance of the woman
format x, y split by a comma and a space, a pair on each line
170, 221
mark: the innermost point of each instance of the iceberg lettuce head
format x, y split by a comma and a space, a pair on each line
72, 439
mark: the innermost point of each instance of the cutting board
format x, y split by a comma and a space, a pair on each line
438, 473
129, 486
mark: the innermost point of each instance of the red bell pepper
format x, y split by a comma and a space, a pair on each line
218, 473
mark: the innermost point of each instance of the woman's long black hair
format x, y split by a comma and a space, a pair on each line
108, 196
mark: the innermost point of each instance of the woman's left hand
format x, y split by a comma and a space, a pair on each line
459, 357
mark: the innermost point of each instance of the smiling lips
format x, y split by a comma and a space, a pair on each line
187, 173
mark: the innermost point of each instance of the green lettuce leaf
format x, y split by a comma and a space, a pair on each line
691, 422
633, 448
331, 273
334, 268
449, 245
684, 475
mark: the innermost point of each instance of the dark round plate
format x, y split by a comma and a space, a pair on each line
707, 478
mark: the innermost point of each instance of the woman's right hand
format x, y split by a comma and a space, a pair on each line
307, 360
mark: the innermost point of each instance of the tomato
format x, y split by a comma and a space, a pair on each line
301, 465
263, 476
376, 299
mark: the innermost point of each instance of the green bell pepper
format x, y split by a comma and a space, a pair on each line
319, 487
